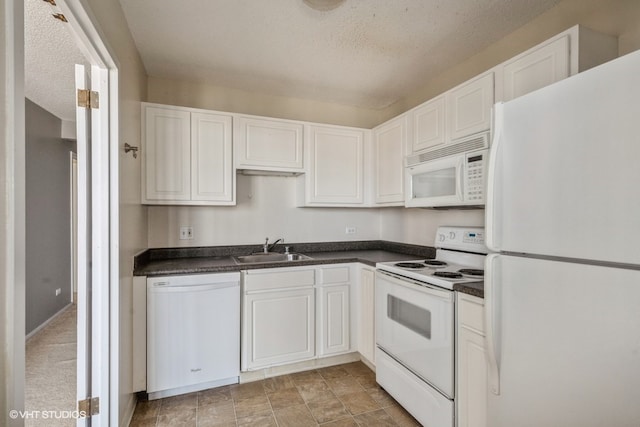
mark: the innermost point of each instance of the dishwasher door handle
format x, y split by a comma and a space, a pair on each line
177, 287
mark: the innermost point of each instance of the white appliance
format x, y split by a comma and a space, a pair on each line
415, 333
193, 333
451, 176
562, 288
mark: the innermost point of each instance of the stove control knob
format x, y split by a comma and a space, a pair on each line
452, 235
441, 237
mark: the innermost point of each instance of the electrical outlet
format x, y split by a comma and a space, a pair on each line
58, 291
186, 233
350, 230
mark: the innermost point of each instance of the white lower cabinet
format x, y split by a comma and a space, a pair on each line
295, 314
278, 317
366, 320
471, 398
333, 311
281, 326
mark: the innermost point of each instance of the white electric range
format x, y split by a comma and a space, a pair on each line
415, 319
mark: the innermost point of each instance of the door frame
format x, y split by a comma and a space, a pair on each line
105, 227
12, 234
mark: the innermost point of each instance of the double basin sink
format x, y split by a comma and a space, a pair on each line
269, 257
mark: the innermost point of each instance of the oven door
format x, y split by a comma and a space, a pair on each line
435, 183
415, 326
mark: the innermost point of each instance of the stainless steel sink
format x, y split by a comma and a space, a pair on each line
269, 257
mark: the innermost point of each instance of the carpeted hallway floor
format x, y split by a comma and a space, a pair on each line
51, 371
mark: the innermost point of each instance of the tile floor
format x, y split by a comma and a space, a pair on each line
343, 395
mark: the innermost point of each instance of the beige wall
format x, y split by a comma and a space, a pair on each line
133, 216
615, 17
198, 95
266, 207
619, 18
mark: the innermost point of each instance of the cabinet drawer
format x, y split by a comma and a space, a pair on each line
333, 275
471, 312
261, 280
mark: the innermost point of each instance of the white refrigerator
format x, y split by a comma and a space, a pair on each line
562, 284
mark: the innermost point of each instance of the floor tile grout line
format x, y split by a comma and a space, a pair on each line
298, 385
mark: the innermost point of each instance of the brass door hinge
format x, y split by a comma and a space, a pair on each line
88, 99
89, 407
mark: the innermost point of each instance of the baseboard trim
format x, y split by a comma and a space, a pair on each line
46, 322
291, 368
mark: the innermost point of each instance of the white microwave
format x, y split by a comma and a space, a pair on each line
454, 181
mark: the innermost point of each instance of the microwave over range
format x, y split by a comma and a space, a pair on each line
448, 177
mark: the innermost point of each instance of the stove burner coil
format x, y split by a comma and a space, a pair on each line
471, 272
435, 263
414, 265
448, 274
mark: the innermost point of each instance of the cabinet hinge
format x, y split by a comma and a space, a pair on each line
89, 407
88, 99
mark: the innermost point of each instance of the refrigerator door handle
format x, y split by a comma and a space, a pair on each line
491, 239
490, 311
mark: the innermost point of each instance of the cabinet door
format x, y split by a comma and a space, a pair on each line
268, 144
211, 158
389, 141
472, 378
336, 172
537, 69
167, 154
333, 321
279, 328
429, 129
367, 332
470, 107
471, 363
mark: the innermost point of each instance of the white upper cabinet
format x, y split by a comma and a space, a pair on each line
186, 157
466, 109
539, 68
268, 144
463, 111
335, 173
429, 123
469, 107
211, 158
166, 155
389, 140
572, 51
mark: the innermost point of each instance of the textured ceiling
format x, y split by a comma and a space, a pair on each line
366, 53
50, 57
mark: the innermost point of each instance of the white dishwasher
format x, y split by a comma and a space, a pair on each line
193, 333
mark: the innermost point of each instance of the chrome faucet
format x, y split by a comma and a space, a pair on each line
266, 248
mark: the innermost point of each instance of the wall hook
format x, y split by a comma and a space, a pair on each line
128, 148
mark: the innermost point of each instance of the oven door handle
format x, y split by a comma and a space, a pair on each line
417, 285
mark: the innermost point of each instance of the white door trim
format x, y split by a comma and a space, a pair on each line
105, 263
12, 212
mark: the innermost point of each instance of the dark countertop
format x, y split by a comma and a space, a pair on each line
216, 259
475, 289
